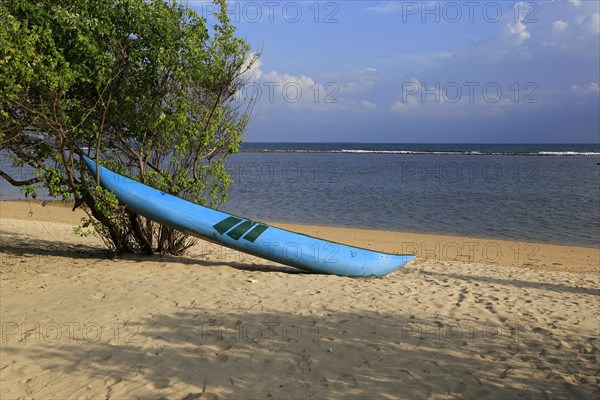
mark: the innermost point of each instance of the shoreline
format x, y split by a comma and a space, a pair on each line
537, 256
69, 204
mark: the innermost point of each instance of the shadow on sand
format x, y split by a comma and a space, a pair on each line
195, 353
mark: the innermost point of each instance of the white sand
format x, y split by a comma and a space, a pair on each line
218, 324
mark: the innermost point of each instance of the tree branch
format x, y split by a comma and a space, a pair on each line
20, 183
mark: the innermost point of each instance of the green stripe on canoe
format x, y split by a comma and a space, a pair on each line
239, 230
226, 224
255, 233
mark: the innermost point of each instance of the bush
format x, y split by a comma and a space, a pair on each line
144, 87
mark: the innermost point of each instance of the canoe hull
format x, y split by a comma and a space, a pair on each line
297, 250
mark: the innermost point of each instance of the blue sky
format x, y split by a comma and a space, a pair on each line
422, 71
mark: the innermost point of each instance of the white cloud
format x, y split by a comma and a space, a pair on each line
560, 25
251, 67
301, 91
411, 98
592, 23
353, 80
368, 104
280, 89
554, 27
449, 101
402, 107
576, 3
587, 88
516, 31
334, 91
356, 86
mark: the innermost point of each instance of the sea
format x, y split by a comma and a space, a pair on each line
545, 193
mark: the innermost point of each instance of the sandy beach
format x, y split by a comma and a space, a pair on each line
469, 319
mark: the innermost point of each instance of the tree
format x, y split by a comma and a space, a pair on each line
144, 86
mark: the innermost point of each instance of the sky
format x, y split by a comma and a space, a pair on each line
421, 71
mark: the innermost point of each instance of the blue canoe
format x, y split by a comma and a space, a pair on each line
256, 238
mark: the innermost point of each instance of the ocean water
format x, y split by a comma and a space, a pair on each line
539, 193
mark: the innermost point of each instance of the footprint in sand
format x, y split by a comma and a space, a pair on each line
493, 355
541, 331
587, 348
349, 380
24, 381
99, 295
461, 297
159, 383
99, 355
536, 363
193, 396
10, 363
505, 372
